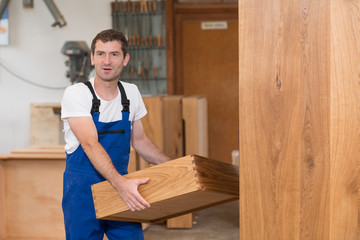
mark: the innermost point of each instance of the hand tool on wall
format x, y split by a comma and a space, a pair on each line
136, 30
131, 19
128, 6
115, 14
125, 21
124, 6
142, 26
59, 19
149, 22
150, 6
154, 6
3, 5
163, 23
142, 6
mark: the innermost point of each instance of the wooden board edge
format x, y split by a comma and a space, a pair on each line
161, 219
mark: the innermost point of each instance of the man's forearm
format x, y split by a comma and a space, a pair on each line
127, 188
101, 161
149, 151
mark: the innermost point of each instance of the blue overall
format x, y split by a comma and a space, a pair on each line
78, 207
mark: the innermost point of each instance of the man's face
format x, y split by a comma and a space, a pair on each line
108, 60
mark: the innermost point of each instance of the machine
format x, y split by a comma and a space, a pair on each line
79, 60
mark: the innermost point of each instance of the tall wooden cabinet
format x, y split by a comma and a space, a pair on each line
299, 119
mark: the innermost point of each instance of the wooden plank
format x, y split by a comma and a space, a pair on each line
183, 221
194, 111
47, 147
33, 199
34, 156
173, 126
194, 114
174, 143
282, 166
153, 124
2, 201
45, 124
59, 150
344, 120
299, 119
180, 186
153, 121
132, 166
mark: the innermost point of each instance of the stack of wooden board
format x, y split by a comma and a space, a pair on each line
177, 187
178, 125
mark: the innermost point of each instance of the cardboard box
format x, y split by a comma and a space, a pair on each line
175, 188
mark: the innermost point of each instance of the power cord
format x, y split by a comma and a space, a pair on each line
28, 81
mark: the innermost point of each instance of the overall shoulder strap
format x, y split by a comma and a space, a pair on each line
95, 102
124, 101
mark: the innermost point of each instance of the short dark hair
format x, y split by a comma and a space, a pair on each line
111, 35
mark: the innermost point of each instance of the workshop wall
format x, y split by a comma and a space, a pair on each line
34, 54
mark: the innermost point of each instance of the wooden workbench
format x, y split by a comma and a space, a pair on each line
31, 182
31, 192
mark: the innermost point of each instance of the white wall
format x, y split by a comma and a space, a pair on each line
34, 54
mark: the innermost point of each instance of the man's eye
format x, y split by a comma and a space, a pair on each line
115, 54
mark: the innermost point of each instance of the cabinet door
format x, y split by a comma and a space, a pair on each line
207, 65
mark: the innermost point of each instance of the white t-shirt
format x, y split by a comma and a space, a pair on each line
77, 102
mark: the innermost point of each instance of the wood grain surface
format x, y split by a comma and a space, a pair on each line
180, 174
299, 119
175, 188
33, 199
194, 115
2, 201
345, 120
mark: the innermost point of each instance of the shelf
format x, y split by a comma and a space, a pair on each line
144, 24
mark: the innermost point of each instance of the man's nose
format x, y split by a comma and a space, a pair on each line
107, 59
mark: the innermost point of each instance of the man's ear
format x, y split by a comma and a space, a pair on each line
126, 59
92, 59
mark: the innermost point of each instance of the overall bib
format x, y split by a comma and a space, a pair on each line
78, 207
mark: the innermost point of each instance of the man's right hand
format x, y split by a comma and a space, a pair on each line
128, 191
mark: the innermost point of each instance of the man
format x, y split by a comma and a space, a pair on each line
101, 119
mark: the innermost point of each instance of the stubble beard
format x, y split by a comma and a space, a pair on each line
109, 77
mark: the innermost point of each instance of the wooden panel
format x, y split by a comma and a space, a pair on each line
299, 93
271, 123
176, 187
194, 114
345, 121
31, 192
2, 201
173, 127
33, 198
133, 161
184, 221
153, 121
45, 124
153, 124
163, 123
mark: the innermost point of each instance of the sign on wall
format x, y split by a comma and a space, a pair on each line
4, 28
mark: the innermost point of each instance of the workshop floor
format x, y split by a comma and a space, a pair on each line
219, 222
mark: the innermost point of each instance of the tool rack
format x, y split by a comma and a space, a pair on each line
144, 24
